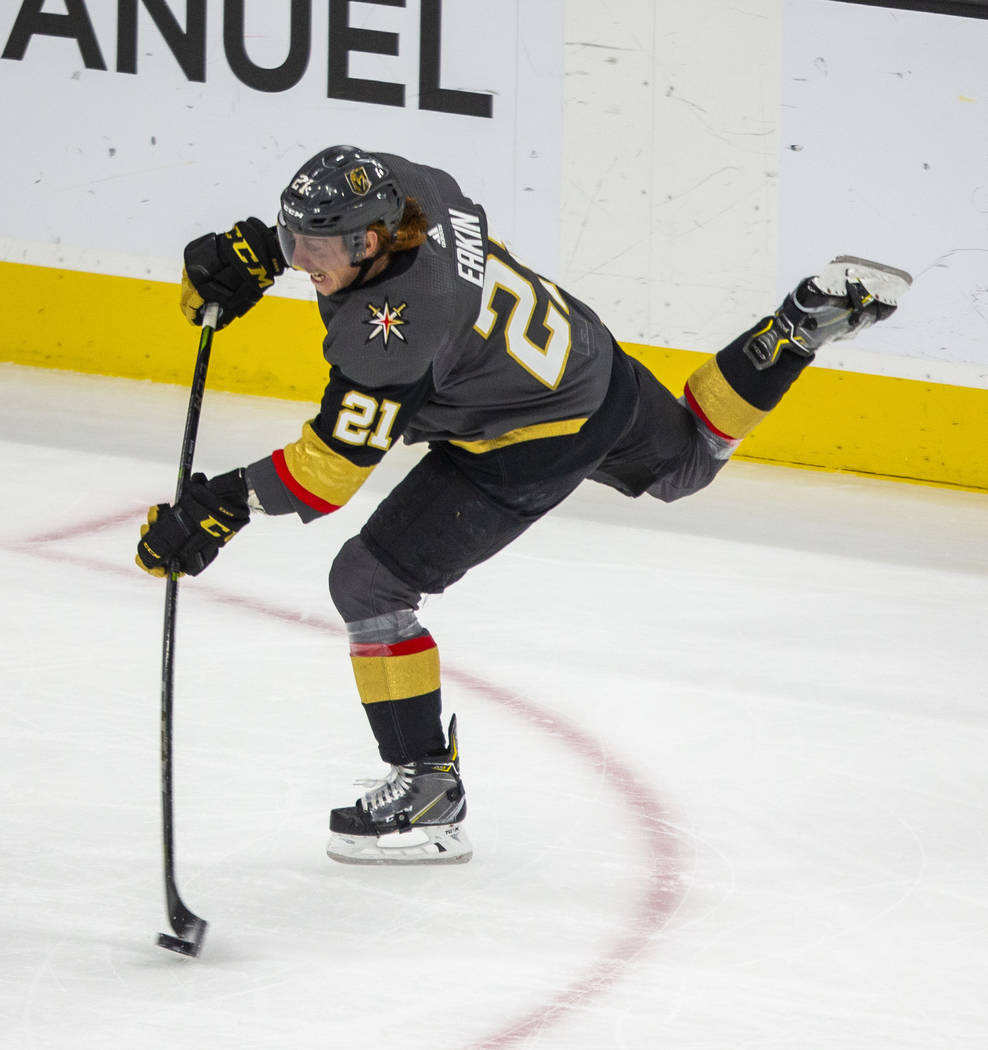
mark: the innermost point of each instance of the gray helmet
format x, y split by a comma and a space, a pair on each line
339, 193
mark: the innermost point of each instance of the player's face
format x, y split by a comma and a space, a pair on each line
326, 260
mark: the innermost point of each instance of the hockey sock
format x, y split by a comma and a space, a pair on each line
730, 396
398, 683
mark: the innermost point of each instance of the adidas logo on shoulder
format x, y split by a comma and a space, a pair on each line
436, 233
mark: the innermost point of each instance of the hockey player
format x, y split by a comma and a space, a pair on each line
437, 333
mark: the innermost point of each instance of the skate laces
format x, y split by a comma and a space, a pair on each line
383, 792
812, 300
851, 307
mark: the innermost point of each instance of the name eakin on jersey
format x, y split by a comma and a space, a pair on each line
469, 246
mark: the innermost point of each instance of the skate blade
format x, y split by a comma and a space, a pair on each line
446, 844
886, 283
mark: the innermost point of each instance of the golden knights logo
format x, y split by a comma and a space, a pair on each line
386, 321
359, 182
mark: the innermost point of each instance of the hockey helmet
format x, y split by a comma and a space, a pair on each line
339, 193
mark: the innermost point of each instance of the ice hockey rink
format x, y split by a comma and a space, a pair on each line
726, 760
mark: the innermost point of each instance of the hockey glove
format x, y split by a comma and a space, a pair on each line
230, 269
188, 536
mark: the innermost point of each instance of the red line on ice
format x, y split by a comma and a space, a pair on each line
85, 528
666, 885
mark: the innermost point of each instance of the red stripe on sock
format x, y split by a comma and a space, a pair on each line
702, 416
406, 648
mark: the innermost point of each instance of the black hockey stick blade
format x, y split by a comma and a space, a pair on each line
189, 930
191, 943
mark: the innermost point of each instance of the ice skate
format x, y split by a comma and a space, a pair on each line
846, 297
413, 816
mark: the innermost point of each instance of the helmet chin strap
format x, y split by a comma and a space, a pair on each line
365, 264
364, 267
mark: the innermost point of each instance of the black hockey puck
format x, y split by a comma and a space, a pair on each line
176, 944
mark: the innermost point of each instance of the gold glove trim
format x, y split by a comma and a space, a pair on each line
190, 300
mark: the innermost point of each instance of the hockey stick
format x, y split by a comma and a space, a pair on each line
189, 930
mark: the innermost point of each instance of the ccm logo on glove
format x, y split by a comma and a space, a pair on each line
231, 269
246, 254
217, 529
187, 537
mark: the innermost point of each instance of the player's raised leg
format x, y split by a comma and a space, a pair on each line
733, 391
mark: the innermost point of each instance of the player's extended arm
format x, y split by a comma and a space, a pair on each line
339, 449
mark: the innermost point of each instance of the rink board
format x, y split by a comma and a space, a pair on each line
831, 420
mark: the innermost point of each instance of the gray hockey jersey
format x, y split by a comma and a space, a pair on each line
457, 340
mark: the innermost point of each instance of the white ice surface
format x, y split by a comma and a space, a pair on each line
727, 764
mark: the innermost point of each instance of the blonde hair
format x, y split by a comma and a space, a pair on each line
411, 230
